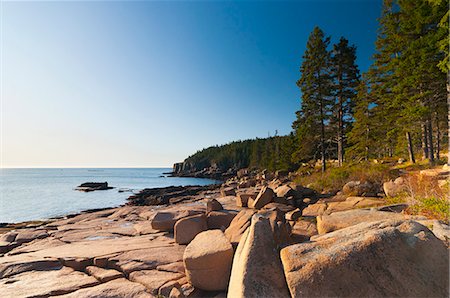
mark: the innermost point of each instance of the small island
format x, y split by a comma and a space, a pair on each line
92, 186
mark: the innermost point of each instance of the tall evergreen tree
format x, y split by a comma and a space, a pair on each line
361, 137
346, 78
420, 83
381, 78
315, 84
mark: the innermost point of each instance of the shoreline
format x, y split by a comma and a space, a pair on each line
33, 223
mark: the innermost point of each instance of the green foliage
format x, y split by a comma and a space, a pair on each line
404, 89
336, 177
432, 207
315, 84
272, 153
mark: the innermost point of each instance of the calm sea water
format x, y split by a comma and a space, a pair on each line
32, 194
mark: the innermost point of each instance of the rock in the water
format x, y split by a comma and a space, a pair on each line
238, 226
165, 221
220, 219
213, 205
187, 228
340, 220
208, 260
257, 270
91, 186
264, 197
376, 259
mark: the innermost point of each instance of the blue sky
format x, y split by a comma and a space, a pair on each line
145, 84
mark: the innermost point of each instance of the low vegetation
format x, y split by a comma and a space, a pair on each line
335, 177
426, 197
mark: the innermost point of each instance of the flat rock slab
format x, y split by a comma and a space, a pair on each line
103, 275
376, 259
113, 289
154, 279
100, 246
340, 220
348, 204
13, 265
149, 258
45, 283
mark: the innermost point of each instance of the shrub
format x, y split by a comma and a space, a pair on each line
336, 177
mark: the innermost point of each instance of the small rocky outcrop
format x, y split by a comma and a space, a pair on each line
208, 260
376, 259
166, 195
92, 186
257, 270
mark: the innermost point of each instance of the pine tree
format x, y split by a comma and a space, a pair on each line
346, 80
420, 83
361, 136
381, 79
315, 84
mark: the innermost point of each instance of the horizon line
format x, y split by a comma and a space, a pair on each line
84, 167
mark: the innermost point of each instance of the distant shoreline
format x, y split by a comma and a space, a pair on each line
41, 195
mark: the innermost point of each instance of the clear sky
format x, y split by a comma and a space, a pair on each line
145, 84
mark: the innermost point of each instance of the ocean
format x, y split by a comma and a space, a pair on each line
35, 194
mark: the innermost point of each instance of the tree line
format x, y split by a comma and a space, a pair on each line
270, 153
398, 107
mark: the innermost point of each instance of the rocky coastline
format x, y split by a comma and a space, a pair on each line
255, 235
186, 169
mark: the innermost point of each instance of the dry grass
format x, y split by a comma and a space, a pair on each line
424, 194
336, 177
426, 197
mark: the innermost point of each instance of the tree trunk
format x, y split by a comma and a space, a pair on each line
438, 138
340, 136
430, 141
410, 148
322, 137
424, 141
448, 117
